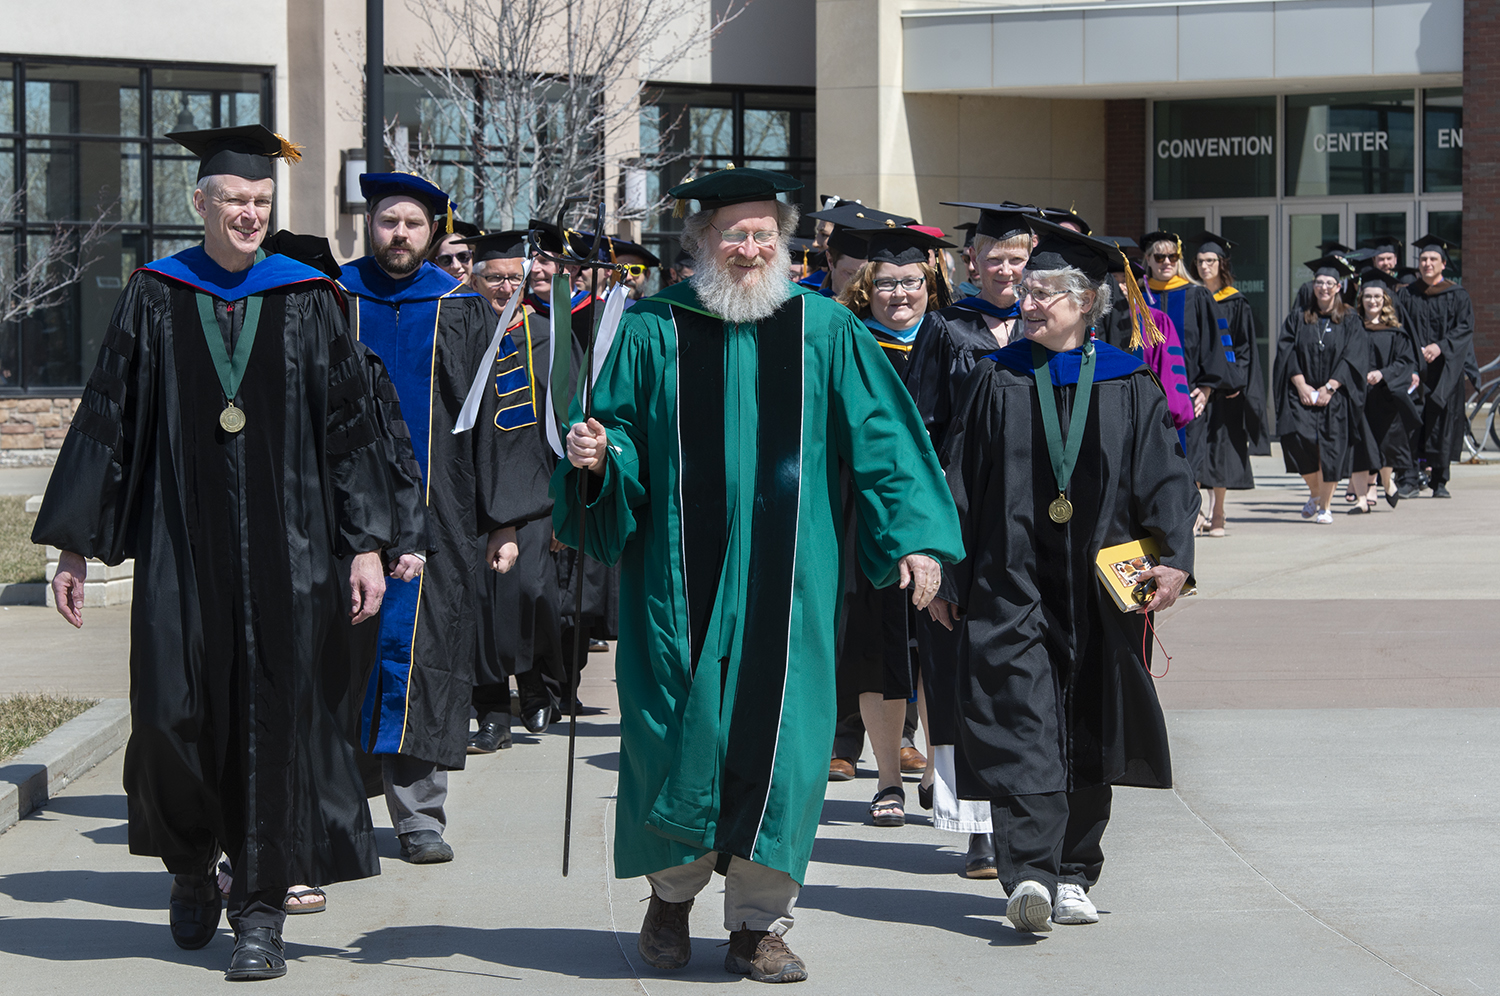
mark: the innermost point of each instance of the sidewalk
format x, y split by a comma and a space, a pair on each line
1313, 845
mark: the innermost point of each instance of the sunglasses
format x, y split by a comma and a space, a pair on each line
449, 258
1166, 257
634, 269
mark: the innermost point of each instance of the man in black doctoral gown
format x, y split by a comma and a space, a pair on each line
1056, 704
1441, 318
434, 335
227, 440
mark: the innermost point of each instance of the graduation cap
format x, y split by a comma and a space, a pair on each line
582, 244
245, 151
968, 229
732, 186
467, 229
1118, 262
497, 245
1060, 248
1069, 217
1330, 246
1151, 238
1407, 275
1331, 265
1434, 243
1209, 242
1001, 221
376, 187
848, 214
896, 245
1383, 243
1375, 276
685, 257
312, 250
549, 237
841, 242
804, 255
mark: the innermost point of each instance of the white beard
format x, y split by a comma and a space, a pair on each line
749, 299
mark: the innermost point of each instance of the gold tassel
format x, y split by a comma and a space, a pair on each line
680, 209
450, 217
1140, 312
289, 151
804, 265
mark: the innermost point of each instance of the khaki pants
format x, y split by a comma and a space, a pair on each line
755, 896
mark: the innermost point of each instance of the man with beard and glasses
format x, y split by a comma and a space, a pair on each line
721, 416
433, 335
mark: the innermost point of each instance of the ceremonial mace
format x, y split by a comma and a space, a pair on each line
593, 264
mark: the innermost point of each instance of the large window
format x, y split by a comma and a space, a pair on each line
1215, 148
83, 140
690, 131
1342, 144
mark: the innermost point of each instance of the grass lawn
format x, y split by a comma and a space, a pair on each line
20, 559
25, 719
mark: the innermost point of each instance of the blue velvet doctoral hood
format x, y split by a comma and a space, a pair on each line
1109, 363
197, 269
365, 278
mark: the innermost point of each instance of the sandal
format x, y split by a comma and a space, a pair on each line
295, 901
225, 878
892, 811
1350, 496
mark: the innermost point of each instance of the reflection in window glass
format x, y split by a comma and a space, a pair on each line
7, 179
174, 174
188, 99
1370, 224
1443, 148
1251, 263
1308, 232
79, 181
1350, 143
1214, 148
49, 343
83, 100
7, 97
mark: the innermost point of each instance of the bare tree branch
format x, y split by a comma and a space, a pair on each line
60, 263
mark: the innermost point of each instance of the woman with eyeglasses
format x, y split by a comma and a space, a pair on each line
1320, 387
1236, 419
1205, 359
451, 254
1390, 413
892, 293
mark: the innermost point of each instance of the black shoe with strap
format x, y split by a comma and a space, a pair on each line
258, 954
665, 943
764, 956
194, 908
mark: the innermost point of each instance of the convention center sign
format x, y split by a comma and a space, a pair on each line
1344, 144
1214, 148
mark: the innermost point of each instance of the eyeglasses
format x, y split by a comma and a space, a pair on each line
909, 284
449, 258
1326, 284
1166, 257
1041, 295
764, 239
496, 279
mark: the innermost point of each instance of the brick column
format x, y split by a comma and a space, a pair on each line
1482, 171
1125, 168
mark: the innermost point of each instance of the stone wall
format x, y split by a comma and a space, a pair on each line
32, 429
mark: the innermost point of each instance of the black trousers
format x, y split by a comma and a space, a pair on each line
1051, 837
538, 687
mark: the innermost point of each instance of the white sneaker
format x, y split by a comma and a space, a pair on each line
1310, 509
1325, 517
1073, 905
1029, 907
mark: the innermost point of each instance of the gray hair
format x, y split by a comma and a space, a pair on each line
1076, 284
696, 225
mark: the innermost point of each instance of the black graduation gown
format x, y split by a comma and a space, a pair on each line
1204, 355
1441, 314
1236, 425
1054, 694
1314, 438
945, 350
433, 337
239, 683
1390, 412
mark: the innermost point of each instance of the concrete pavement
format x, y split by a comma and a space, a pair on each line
1334, 829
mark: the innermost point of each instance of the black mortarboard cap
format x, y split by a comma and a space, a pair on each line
1407, 275
968, 228
1383, 243
312, 250
1374, 276
1058, 216
467, 229
1117, 262
735, 186
1151, 238
897, 245
683, 256
1430, 242
1331, 265
497, 245
1207, 241
1060, 248
582, 243
848, 214
376, 187
244, 151
1330, 246
548, 236
842, 242
1001, 221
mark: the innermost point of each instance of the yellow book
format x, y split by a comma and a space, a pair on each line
1120, 568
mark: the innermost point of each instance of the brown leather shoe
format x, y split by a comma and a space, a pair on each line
665, 943
841, 769
912, 761
763, 956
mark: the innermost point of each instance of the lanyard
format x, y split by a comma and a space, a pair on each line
1064, 458
231, 370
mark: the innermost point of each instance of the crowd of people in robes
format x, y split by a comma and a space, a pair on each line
815, 499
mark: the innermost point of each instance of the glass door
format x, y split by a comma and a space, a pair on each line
1305, 235
1251, 235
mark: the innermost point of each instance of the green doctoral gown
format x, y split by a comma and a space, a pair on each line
721, 503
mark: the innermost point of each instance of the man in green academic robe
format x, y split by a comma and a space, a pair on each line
722, 415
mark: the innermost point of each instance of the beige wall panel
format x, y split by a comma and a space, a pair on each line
1003, 137
851, 32
172, 31
1078, 139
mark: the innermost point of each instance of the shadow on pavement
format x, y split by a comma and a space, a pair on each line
955, 912
133, 890
914, 857
68, 939
96, 807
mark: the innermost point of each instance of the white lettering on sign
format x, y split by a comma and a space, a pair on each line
1450, 138
1252, 286
1352, 141
1211, 148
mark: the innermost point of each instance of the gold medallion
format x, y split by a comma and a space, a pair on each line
231, 419
1061, 510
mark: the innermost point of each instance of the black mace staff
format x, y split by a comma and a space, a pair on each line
593, 264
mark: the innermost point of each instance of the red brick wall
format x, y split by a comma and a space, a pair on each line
28, 426
1482, 171
1125, 167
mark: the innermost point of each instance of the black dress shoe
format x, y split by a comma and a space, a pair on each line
1392, 497
536, 722
425, 847
258, 954
980, 861
1440, 491
924, 796
491, 736
194, 909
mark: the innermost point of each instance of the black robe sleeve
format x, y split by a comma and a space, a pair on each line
929, 374
966, 454
1162, 495
1218, 369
